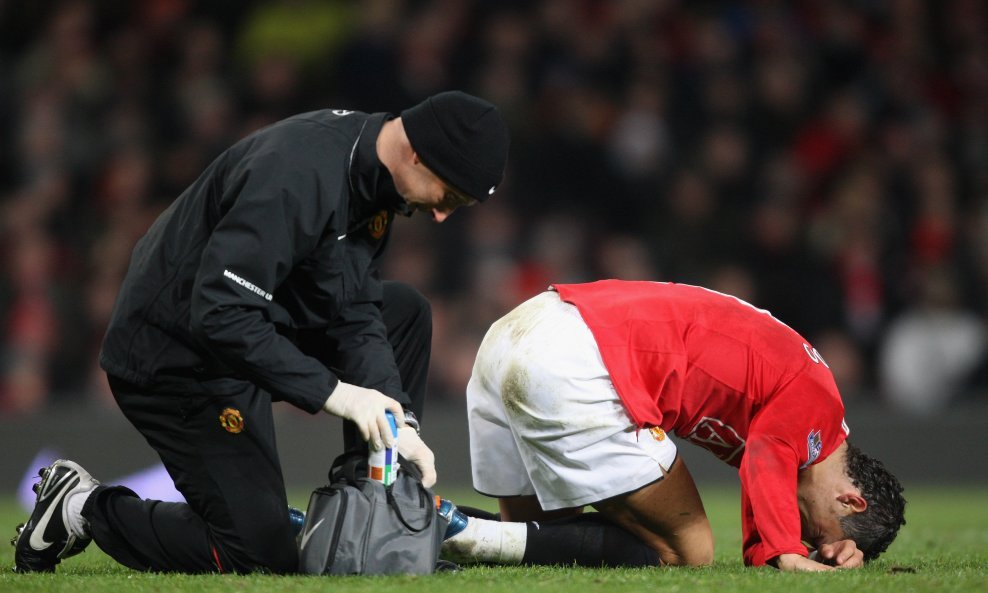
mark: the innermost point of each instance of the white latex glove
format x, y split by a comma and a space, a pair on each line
365, 408
411, 447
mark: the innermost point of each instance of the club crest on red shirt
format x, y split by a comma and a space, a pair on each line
717, 437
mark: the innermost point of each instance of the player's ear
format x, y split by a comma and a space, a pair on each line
853, 501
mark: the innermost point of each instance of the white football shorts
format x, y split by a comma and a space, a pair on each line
545, 418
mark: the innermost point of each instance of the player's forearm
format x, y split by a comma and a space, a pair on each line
770, 511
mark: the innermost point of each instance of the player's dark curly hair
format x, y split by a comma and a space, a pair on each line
874, 529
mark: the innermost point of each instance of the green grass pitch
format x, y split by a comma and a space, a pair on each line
944, 547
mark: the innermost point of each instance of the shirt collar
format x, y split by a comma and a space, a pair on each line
370, 180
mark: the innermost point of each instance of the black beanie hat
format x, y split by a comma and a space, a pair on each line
462, 139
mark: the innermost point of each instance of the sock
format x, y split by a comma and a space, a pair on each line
487, 541
586, 540
75, 523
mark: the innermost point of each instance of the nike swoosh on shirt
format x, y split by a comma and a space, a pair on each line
37, 540
308, 534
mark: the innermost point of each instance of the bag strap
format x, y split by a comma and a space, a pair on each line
409, 468
423, 497
348, 466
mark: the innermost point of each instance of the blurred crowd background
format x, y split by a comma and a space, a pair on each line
827, 161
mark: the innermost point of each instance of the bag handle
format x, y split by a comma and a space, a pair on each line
423, 496
409, 468
349, 465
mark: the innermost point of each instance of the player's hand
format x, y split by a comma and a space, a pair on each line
842, 554
795, 562
365, 408
411, 447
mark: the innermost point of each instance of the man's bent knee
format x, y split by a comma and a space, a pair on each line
668, 516
275, 554
697, 550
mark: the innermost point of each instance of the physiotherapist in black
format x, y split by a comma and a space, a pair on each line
260, 284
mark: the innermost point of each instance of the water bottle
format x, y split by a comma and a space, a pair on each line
457, 520
382, 465
297, 519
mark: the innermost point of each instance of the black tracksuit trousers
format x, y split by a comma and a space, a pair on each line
236, 515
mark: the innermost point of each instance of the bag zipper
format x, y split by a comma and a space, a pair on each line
334, 543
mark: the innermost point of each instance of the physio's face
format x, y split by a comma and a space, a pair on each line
426, 192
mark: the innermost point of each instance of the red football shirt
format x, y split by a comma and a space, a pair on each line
730, 378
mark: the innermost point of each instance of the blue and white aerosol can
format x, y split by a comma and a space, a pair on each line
382, 465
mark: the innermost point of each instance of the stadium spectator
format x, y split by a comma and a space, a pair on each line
931, 352
860, 127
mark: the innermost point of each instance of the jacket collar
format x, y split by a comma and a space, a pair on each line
371, 184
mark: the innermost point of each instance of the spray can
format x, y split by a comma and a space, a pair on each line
382, 465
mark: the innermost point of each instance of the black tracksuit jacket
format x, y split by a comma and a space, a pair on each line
273, 247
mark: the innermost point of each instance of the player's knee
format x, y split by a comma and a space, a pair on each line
695, 549
705, 554
690, 558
